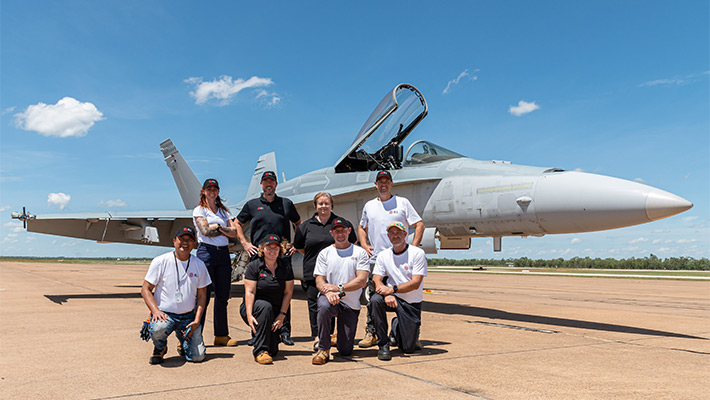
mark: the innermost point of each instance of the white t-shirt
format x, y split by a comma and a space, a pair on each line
222, 217
340, 267
377, 215
162, 272
399, 270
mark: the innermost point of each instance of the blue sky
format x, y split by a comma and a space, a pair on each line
89, 89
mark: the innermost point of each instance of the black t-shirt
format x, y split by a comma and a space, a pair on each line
269, 287
268, 218
312, 237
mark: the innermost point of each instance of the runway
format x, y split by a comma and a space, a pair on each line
71, 331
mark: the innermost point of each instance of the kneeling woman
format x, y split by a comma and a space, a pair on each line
268, 287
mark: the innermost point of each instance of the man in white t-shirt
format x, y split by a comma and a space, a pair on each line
404, 267
341, 272
180, 282
377, 214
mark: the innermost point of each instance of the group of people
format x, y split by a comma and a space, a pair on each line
335, 271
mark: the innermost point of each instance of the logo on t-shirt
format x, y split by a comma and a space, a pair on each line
261, 275
259, 208
406, 267
191, 275
393, 212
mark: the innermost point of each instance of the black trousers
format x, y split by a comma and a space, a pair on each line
405, 326
286, 328
219, 267
264, 339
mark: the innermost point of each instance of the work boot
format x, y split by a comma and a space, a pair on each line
384, 354
264, 358
225, 341
334, 339
286, 339
321, 357
368, 341
157, 357
418, 345
180, 350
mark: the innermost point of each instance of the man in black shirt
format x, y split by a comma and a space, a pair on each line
268, 214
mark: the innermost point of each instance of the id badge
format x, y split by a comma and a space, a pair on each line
178, 297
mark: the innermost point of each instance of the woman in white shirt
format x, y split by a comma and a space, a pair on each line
214, 225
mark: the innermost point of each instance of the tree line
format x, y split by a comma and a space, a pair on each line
650, 262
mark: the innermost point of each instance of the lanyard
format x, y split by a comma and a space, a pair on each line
177, 273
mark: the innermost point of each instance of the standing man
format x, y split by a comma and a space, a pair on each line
376, 216
180, 281
341, 272
269, 214
405, 267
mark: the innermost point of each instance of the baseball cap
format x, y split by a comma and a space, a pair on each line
338, 222
383, 174
269, 174
270, 239
210, 182
397, 225
185, 230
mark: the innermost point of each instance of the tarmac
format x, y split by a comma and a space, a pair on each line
72, 331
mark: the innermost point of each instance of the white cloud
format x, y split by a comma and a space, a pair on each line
639, 240
8, 110
69, 117
575, 241
4, 208
639, 180
676, 81
225, 88
58, 199
15, 226
656, 241
681, 241
688, 219
271, 99
11, 238
458, 79
522, 108
112, 203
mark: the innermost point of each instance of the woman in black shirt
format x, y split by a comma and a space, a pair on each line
268, 288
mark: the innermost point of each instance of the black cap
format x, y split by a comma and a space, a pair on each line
210, 182
338, 222
269, 174
383, 174
185, 230
268, 239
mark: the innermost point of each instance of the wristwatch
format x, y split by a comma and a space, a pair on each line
340, 288
395, 288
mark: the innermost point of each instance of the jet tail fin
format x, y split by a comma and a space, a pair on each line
266, 162
185, 179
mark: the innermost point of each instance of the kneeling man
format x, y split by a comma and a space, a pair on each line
180, 281
405, 267
341, 272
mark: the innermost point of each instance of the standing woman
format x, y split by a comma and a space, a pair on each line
214, 225
268, 288
311, 237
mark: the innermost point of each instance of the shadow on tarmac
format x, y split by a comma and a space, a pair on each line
446, 308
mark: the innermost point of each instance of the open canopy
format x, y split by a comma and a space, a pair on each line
378, 144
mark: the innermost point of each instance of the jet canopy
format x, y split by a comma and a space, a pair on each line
423, 152
378, 144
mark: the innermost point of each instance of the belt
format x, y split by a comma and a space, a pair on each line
214, 247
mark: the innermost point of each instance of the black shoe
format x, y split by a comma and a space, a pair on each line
393, 340
286, 339
157, 357
251, 341
384, 354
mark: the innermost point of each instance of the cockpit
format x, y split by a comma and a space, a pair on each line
423, 152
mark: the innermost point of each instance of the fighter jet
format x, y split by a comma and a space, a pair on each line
458, 197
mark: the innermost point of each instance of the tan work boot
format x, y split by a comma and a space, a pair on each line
368, 341
321, 357
334, 339
224, 341
263, 358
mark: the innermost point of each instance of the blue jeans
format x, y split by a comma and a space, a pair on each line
194, 346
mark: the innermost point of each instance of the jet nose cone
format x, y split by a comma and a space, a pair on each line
661, 204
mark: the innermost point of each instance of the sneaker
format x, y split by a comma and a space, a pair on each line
157, 356
368, 341
263, 358
321, 357
384, 354
286, 339
224, 341
180, 350
334, 339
